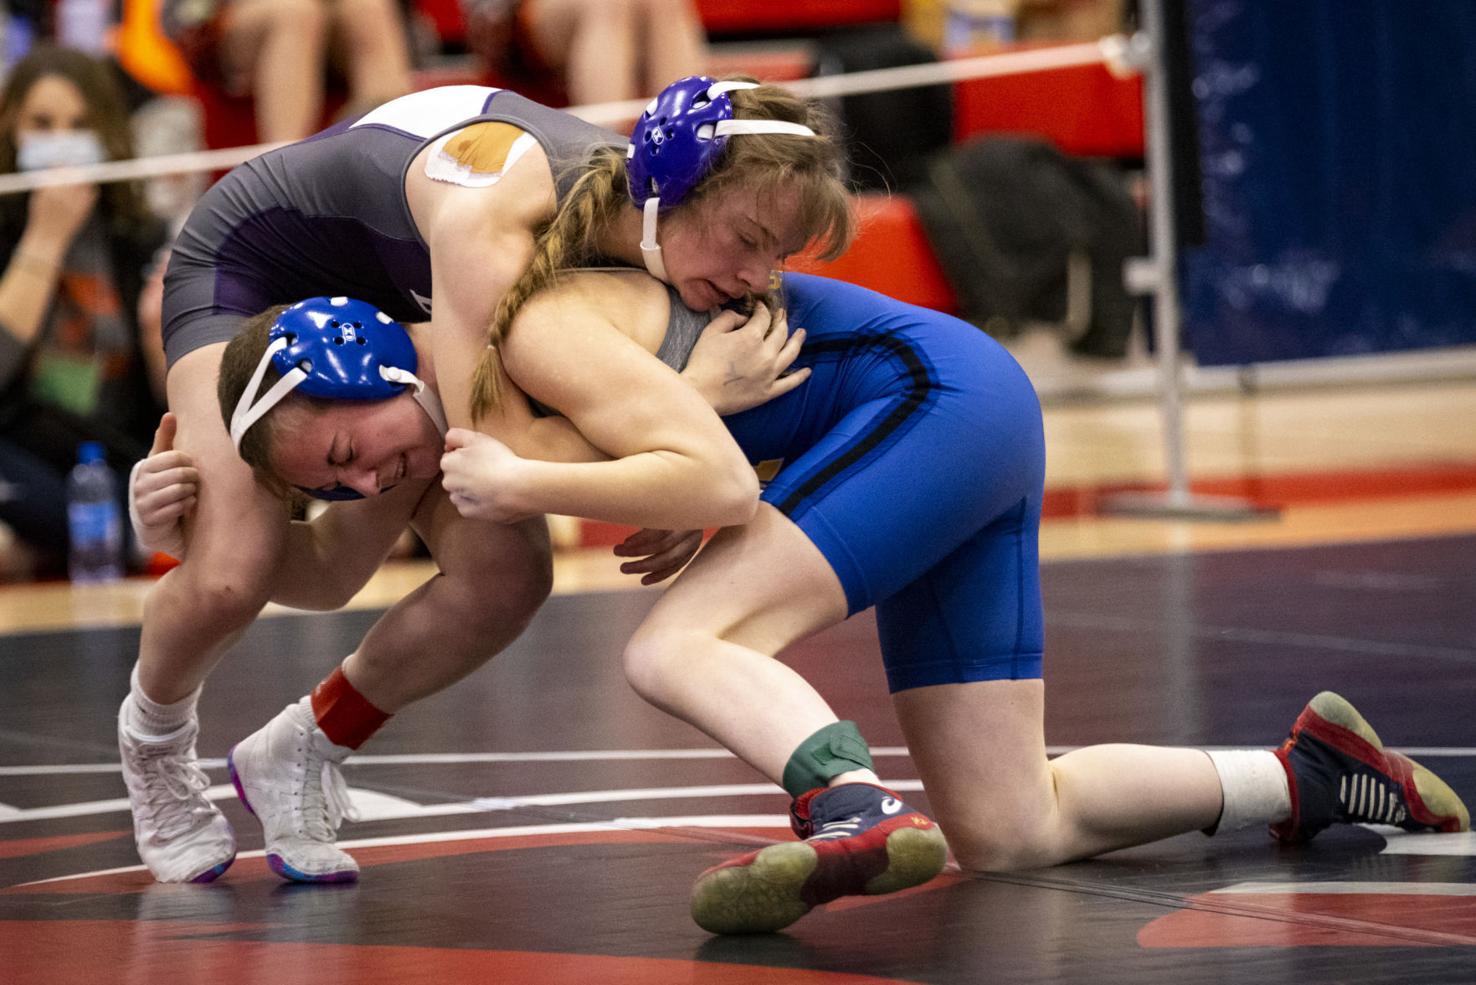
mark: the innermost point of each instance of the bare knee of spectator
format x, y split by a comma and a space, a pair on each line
271, 35
673, 42
303, 19
660, 12
373, 47
376, 18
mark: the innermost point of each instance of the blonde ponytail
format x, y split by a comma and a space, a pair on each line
566, 241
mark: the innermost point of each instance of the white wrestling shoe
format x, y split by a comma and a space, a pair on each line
181, 836
286, 773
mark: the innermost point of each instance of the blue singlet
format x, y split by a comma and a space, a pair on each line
914, 459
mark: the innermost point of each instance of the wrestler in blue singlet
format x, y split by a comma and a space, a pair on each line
914, 459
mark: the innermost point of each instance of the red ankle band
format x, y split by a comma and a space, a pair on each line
345, 715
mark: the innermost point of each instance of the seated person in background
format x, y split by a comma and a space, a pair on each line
277, 51
603, 50
1060, 21
75, 362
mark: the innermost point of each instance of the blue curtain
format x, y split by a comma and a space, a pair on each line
1338, 145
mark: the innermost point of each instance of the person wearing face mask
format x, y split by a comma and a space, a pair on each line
76, 364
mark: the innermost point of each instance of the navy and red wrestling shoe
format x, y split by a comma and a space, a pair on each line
1339, 772
857, 839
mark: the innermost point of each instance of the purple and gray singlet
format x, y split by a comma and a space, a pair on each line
328, 215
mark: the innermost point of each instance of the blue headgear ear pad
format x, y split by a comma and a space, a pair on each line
341, 344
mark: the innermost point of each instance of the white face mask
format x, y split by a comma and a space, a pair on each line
38, 149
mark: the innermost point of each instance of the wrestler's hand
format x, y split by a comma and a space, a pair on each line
481, 475
740, 363
661, 553
162, 491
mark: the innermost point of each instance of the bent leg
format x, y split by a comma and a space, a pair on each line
593, 42
330, 558
370, 39
280, 48
980, 750
191, 615
236, 539
492, 578
673, 43
705, 652
963, 645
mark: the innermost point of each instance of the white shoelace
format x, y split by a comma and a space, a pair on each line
327, 803
183, 785
1368, 798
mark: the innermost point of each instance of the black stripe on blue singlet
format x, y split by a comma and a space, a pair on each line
921, 383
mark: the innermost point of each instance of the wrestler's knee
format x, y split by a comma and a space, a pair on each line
1002, 840
996, 851
526, 583
503, 589
653, 657
220, 595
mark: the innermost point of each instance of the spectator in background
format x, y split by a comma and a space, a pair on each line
279, 51
1060, 21
603, 50
960, 26
76, 363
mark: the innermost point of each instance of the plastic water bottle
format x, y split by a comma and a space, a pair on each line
94, 518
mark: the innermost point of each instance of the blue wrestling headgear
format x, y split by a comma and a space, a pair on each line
675, 144
335, 349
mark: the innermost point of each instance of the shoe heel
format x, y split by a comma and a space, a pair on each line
1336, 710
758, 898
914, 855
236, 781
214, 872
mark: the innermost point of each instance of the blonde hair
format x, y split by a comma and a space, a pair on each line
764, 163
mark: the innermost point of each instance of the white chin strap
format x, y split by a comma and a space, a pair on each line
247, 413
430, 402
650, 248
